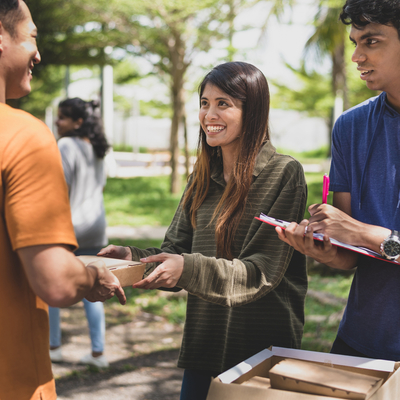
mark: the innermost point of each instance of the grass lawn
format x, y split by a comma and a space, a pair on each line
322, 320
146, 200
139, 201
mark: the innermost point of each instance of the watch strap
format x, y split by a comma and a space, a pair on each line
393, 233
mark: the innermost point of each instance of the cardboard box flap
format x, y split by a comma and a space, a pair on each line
109, 262
336, 359
309, 377
231, 385
258, 381
245, 366
325, 358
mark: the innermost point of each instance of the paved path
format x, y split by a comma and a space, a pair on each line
126, 165
142, 353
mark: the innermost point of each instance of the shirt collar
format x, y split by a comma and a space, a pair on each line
265, 154
267, 151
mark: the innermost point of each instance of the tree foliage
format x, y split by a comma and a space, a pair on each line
313, 96
68, 34
317, 91
169, 34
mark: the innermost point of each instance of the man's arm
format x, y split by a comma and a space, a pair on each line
336, 222
342, 201
60, 279
300, 236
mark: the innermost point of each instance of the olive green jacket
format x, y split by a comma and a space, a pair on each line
238, 307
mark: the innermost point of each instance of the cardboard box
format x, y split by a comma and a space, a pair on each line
230, 384
127, 272
313, 378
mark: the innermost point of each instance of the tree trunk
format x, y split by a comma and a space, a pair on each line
339, 85
177, 101
339, 82
177, 51
185, 136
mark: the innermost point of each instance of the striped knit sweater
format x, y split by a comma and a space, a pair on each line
238, 307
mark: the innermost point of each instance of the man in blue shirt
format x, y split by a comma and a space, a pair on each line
366, 185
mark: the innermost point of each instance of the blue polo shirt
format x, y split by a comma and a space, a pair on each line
366, 163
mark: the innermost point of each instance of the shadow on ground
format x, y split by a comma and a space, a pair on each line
151, 376
142, 353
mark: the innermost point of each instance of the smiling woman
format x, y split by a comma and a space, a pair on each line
221, 120
246, 287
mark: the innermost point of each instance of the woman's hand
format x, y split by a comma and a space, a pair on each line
167, 274
300, 236
121, 252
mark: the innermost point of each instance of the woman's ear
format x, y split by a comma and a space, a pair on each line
78, 123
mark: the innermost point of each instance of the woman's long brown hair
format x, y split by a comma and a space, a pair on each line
246, 83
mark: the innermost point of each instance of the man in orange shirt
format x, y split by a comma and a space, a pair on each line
36, 234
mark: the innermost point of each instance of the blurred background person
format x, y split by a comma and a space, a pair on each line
83, 146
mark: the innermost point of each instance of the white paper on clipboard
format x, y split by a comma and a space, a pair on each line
320, 237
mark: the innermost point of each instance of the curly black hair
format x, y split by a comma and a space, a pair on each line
362, 12
92, 126
10, 15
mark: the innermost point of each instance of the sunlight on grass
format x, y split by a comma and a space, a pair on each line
309, 157
337, 285
322, 320
139, 201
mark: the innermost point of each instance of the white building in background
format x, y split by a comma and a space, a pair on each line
290, 130
107, 101
295, 131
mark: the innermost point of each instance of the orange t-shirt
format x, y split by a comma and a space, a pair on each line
34, 210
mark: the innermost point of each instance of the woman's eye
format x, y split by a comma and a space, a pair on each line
223, 103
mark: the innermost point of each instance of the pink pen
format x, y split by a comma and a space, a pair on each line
325, 189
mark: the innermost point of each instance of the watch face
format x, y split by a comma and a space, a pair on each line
391, 248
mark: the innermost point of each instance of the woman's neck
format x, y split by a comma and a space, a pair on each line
228, 163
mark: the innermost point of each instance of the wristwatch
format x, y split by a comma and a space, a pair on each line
390, 247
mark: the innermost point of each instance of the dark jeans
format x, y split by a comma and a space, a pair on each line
195, 384
341, 347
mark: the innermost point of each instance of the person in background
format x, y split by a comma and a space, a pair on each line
83, 146
364, 177
37, 265
246, 287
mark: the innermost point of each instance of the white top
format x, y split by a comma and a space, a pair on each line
86, 178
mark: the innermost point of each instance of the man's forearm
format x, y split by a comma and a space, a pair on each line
56, 275
371, 237
344, 259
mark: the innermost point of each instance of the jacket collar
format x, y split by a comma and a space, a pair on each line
264, 156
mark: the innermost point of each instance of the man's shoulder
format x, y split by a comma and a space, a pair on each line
364, 108
21, 129
19, 118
